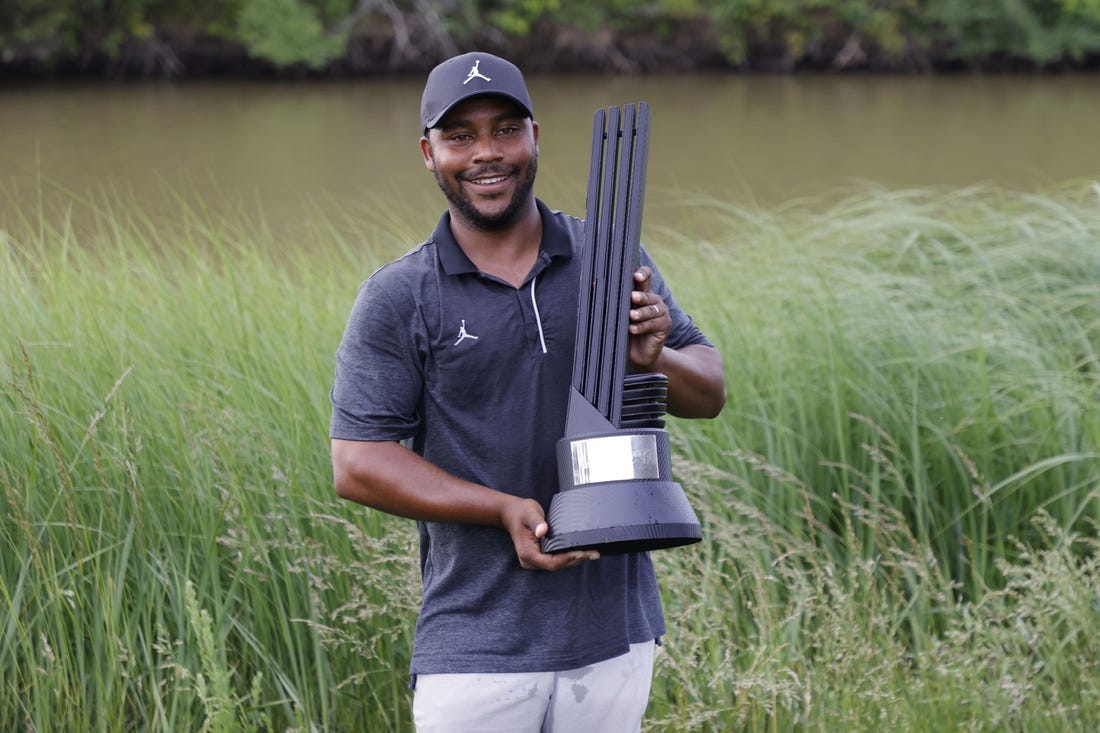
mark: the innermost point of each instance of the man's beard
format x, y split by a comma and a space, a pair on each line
490, 222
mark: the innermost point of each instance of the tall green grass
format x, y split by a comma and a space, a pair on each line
900, 499
937, 353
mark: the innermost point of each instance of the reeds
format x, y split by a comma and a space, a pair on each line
900, 499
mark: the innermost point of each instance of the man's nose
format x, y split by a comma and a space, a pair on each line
486, 148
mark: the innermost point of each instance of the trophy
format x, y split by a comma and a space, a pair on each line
615, 488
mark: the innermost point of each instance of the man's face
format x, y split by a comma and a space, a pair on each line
484, 154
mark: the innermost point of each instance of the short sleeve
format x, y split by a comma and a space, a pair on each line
379, 372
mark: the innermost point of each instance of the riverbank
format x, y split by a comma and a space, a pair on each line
248, 39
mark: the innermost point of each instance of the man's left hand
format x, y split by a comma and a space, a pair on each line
649, 322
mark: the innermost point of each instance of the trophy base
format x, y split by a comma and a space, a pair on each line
621, 517
615, 487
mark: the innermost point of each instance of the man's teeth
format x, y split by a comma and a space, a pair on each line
489, 181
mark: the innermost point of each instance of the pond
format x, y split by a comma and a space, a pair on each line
300, 151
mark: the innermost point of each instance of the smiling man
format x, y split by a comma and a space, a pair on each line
449, 397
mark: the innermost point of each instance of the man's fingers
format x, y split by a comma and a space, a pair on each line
557, 561
528, 525
649, 312
560, 561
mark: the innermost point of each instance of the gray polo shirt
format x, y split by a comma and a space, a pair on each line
475, 373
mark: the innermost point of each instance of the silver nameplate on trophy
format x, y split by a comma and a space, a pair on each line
615, 458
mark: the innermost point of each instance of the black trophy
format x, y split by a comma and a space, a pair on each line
615, 487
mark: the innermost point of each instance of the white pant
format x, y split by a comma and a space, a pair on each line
606, 697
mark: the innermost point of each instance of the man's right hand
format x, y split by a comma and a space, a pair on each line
526, 523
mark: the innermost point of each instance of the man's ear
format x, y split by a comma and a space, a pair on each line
426, 153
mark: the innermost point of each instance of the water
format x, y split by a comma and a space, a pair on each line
303, 151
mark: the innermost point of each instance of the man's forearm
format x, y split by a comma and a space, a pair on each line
696, 384
389, 477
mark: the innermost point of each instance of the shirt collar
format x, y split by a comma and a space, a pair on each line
555, 242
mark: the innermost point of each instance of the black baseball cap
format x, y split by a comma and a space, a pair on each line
471, 75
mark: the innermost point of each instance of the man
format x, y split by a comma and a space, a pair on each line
449, 396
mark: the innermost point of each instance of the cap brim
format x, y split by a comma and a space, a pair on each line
434, 119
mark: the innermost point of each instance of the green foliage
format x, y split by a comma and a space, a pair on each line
211, 18
803, 27
1039, 30
38, 29
1089, 9
288, 32
635, 16
516, 17
313, 33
